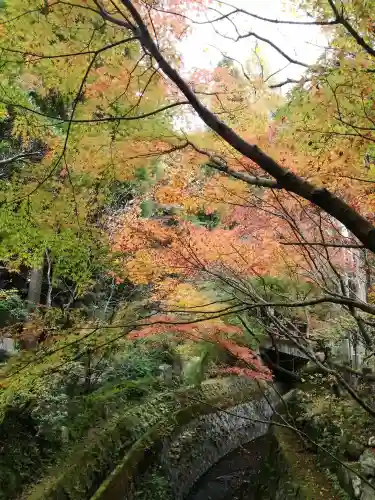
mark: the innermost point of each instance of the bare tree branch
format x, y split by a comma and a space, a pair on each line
356, 179
19, 157
285, 82
321, 197
39, 56
253, 181
243, 11
280, 21
318, 244
99, 120
274, 46
220, 165
357, 37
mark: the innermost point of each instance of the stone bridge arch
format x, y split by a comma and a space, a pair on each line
225, 414
193, 449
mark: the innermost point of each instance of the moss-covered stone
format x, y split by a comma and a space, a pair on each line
338, 430
299, 475
193, 449
209, 398
128, 436
289, 472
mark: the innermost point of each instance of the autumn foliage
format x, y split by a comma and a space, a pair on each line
215, 331
84, 87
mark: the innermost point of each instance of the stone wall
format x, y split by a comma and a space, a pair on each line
287, 471
196, 447
226, 396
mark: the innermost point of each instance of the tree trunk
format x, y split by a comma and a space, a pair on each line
321, 197
35, 287
354, 283
49, 279
88, 373
360, 291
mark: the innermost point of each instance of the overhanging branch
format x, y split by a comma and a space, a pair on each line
319, 244
18, 157
321, 197
357, 37
285, 82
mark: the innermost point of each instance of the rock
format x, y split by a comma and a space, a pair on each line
368, 492
356, 485
353, 450
367, 463
371, 441
166, 373
192, 370
320, 356
65, 434
349, 481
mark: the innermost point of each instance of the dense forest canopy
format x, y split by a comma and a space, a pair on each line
150, 213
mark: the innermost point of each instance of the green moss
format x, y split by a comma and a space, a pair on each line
120, 482
87, 463
86, 466
155, 486
303, 469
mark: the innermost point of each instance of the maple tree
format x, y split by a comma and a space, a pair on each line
233, 213
316, 223
117, 111
53, 199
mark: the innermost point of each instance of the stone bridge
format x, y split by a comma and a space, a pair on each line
192, 449
183, 433
185, 453
190, 443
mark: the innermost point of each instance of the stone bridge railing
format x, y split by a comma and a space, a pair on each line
219, 417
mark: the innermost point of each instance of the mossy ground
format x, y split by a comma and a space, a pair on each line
303, 471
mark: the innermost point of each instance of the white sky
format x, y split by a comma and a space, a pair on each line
298, 42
